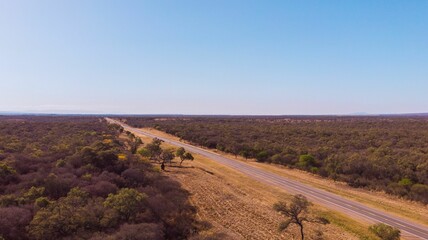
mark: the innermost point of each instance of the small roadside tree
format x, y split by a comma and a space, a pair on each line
180, 153
187, 156
152, 150
167, 156
296, 213
183, 155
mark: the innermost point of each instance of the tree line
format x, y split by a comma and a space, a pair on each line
381, 153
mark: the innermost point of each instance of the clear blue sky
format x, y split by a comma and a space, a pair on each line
214, 57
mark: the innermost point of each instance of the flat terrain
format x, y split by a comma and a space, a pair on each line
240, 208
387, 154
413, 211
322, 197
235, 206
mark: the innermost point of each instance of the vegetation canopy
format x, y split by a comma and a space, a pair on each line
382, 153
77, 178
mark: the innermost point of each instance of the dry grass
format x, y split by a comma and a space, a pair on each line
412, 210
238, 207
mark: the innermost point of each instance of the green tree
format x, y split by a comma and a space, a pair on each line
127, 202
187, 156
306, 161
405, 182
61, 218
167, 156
180, 153
385, 232
262, 156
183, 155
153, 149
33, 193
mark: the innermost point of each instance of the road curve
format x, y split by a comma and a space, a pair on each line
331, 200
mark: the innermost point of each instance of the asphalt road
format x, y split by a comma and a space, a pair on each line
409, 229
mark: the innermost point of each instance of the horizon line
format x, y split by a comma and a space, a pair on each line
363, 114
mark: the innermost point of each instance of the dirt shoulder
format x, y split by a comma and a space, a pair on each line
235, 206
412, 210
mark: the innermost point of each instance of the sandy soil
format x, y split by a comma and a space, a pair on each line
231, 205
240, 208
391, 204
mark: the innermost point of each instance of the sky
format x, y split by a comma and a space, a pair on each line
214, 57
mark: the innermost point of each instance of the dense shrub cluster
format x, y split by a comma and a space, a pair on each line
76, 178
382, 153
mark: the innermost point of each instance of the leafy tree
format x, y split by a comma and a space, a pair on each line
262, 156
306, 161
385, 232
144, 152
180, 153
167, 156
187, 156
61, 218
127, 202
153, 149
183, 155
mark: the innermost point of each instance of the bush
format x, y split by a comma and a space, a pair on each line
62, 218
102, 189
142, 231
385, 232
306, 161
127, 202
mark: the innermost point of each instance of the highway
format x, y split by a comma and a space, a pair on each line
410, 230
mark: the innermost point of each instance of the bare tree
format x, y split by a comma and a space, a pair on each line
296, 213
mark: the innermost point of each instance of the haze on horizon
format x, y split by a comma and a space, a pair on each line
214, 57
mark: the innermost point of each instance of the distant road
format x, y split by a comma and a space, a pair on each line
409, 229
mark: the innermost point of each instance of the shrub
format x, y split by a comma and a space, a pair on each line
306, 161
385, 232
42, 202
133, 177
127, 202
61, 218
101, 189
